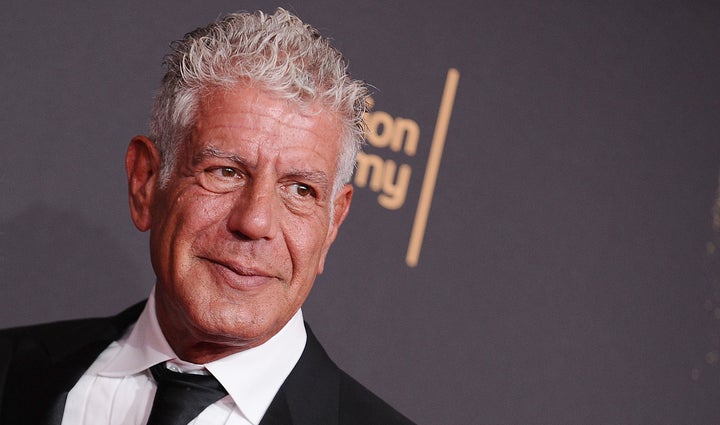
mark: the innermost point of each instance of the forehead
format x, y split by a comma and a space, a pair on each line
250, 117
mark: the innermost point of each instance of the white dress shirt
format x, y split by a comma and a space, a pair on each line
118, 388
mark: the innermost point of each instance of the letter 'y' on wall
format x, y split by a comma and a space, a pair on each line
433, 167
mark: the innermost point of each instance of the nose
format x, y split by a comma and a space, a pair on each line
254, 212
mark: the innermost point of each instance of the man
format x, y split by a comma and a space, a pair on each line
243, 186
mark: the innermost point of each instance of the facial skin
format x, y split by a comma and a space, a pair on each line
245, 222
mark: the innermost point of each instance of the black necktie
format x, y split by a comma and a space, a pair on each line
180, 397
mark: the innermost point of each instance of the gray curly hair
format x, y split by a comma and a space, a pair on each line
278, 53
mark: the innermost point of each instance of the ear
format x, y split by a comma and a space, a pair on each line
142, 164
341, 207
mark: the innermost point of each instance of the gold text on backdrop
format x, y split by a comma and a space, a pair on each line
390, 179
384, 175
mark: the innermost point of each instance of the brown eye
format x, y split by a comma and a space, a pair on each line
221, 179
227, 172
303, 190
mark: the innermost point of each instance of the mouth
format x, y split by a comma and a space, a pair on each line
238, 276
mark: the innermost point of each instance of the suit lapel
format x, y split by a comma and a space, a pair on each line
62, 376
278, 413
310, 394
49, 359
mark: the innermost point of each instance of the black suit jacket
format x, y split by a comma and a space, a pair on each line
40, 364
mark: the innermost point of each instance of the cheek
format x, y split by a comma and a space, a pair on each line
188, 219
306, 243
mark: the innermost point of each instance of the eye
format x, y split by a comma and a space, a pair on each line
302, 190
227, 172
221, 179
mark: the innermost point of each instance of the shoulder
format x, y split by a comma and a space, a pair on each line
40, 362
59, 337
360, 406
334, 392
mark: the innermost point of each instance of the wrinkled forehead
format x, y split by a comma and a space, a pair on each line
248, 122
282, 107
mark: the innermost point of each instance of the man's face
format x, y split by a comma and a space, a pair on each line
245, 222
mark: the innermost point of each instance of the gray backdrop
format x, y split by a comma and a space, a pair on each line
569, 270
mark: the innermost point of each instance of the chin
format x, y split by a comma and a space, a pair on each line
233, 325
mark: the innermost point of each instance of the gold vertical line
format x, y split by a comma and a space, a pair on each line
432, 168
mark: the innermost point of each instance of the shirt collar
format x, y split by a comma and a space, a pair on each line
251, 377
143, 347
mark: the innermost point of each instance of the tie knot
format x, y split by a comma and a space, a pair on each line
164, 376
180, 397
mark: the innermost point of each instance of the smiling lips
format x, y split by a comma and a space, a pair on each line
240, 277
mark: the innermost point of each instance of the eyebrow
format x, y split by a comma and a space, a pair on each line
212, 152
318, 178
